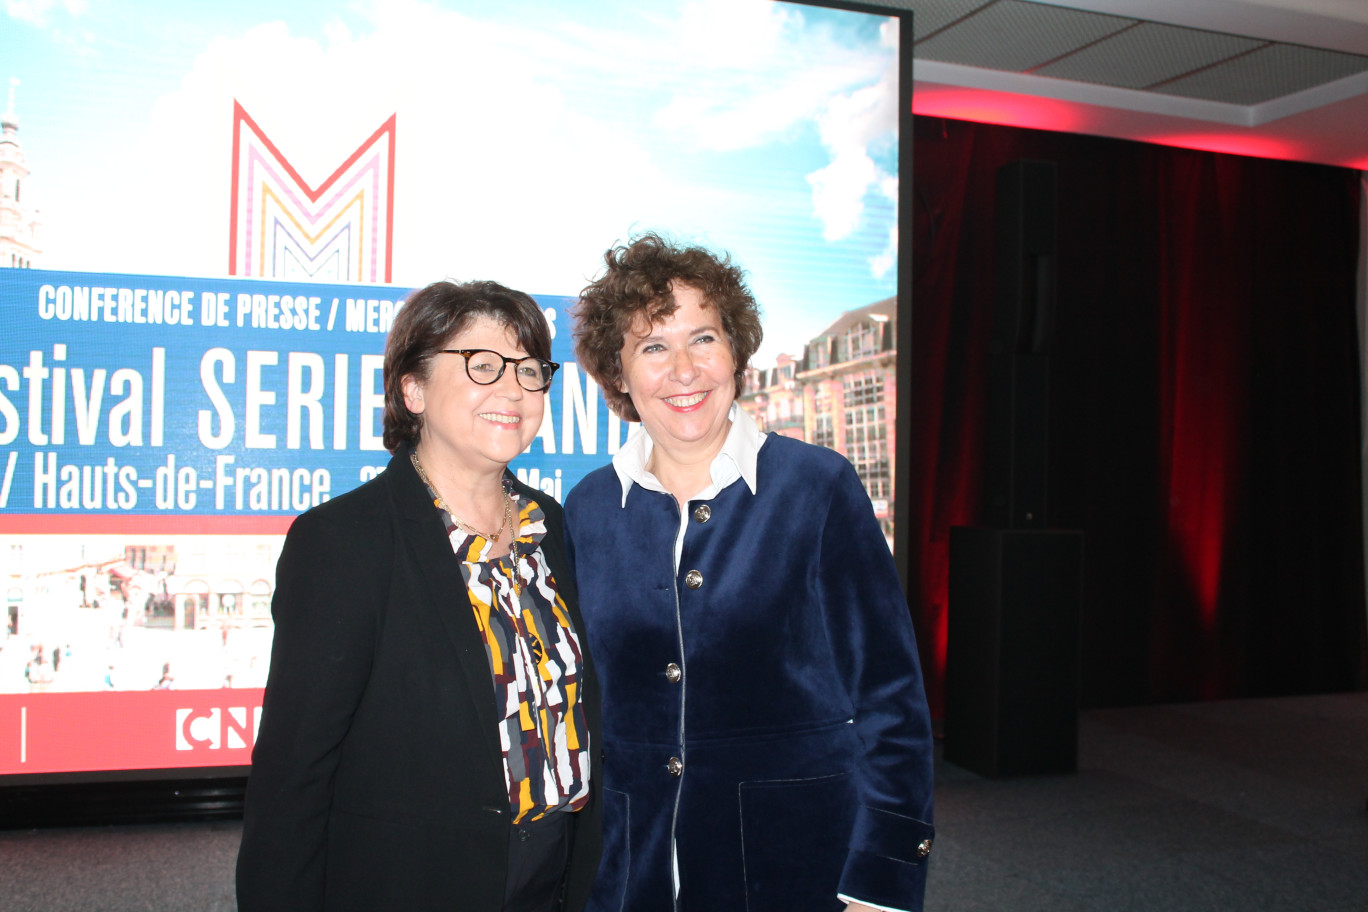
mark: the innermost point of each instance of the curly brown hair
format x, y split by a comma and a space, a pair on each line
639, 281
428, 320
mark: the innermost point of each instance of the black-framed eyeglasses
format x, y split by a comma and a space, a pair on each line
486, 367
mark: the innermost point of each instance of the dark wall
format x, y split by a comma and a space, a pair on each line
1204, 407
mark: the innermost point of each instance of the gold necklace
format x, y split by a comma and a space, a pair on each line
442, 505
513, 556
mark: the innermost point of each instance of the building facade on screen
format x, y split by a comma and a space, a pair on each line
18, 216
842, 394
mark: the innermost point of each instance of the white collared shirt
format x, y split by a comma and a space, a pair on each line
736, 459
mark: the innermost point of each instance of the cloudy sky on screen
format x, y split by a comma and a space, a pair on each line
530, 136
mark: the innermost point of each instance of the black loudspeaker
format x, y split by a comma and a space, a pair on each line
1016, 448
1012, 651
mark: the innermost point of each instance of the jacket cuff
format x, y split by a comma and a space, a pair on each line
887, 862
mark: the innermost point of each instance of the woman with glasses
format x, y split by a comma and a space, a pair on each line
429, 731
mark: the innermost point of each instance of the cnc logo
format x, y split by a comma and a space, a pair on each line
233, 727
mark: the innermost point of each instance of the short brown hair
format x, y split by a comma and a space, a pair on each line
428, 320
637, 281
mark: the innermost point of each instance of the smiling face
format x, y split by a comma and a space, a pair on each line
680, 375
468, 427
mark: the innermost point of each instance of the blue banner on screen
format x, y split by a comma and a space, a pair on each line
225, 399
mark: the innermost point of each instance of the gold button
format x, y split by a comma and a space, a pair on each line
675, 766
693, 579
673, 673
924, 848
702, 513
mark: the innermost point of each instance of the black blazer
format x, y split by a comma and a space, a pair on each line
377, 778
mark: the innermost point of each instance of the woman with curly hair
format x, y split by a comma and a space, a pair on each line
766, 736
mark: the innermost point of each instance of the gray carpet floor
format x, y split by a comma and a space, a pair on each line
1238, 806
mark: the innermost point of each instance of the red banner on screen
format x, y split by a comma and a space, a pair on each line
73, 732
102, 524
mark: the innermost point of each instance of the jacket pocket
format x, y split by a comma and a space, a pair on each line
794, 839
615, 868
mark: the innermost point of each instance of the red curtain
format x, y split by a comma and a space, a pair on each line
1204, 410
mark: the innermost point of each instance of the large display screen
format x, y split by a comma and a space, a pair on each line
209, 216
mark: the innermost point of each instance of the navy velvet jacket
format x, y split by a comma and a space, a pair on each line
763, 706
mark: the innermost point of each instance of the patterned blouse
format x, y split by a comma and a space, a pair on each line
534, 656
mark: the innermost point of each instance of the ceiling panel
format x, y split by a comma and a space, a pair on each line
930, 16
1016, 36
1147, 54
1273, 72
1023, 36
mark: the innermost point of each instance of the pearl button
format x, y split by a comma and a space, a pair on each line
673, 673
702, 513
693, 579
675, 766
